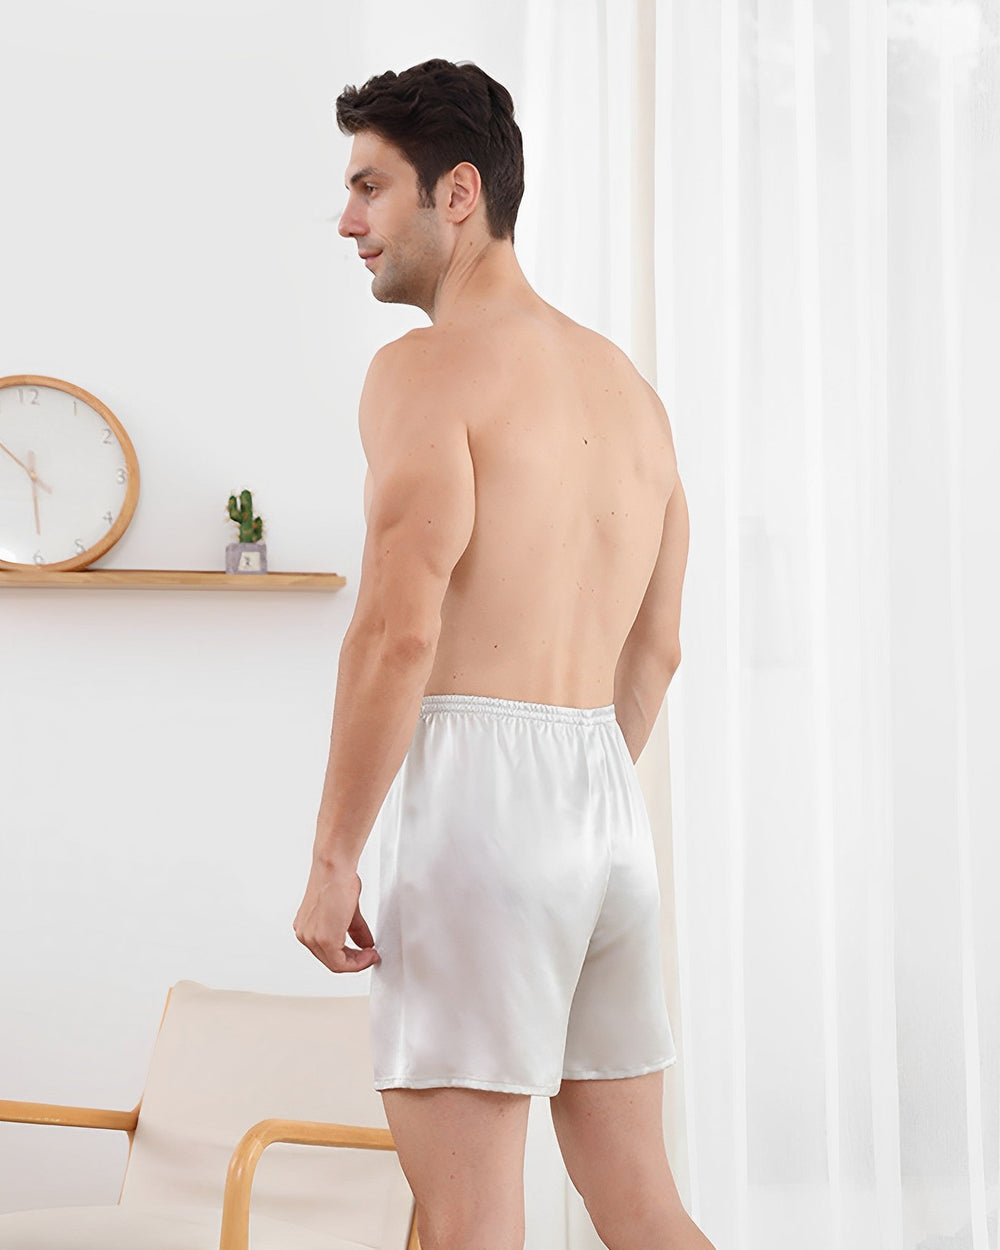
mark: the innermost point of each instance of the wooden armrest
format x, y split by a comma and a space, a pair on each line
235, 1231
74, 1117
310, 1133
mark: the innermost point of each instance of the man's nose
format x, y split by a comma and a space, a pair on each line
351, 223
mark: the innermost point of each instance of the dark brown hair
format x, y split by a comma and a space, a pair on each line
439, 114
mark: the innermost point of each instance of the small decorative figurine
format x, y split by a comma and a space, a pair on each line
249, 555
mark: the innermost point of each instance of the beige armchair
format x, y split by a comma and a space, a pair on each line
238, 1086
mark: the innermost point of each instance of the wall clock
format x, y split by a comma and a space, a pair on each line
69, 477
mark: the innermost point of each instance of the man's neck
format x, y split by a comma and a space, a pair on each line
480, 273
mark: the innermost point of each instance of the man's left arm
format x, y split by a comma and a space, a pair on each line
420, 517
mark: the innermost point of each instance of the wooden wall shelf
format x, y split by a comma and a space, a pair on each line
166, 579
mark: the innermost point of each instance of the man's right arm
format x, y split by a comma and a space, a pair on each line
652, 650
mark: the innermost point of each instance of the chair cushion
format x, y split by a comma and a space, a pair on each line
225, 1059
149, 1228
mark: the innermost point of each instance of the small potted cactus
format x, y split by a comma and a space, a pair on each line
249, 555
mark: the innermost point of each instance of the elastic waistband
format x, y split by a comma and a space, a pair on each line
487, 705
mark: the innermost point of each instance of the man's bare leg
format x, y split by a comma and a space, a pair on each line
463, 1154
611, 1137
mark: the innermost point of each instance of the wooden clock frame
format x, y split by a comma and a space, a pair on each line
127, 510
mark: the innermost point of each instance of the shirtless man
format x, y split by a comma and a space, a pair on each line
516, 628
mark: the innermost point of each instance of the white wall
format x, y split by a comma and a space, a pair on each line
173, 176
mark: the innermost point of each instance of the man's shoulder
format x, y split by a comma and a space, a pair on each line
616, 356
409, 379
399, 369
411, 351
619, 363
602, 350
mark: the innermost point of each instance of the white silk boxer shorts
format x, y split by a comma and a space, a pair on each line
519, 917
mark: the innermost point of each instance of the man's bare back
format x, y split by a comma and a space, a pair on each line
526, 529
574, 463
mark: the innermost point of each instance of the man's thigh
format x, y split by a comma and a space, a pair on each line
463, 1154
611, 1137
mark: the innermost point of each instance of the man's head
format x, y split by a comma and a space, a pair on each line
434, 147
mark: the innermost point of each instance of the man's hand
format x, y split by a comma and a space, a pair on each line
329, 914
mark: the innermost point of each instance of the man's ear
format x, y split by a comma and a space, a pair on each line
464, 190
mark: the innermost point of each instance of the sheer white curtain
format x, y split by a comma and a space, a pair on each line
787, 211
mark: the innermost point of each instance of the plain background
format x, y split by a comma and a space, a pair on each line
173, 179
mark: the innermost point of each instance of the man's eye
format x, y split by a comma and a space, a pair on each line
369, 187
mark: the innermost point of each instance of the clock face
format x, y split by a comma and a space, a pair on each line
69, 478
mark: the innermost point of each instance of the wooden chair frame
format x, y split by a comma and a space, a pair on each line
235, 1232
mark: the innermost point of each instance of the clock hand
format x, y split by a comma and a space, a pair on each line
34, 489
33, 475
13, 457
27, 467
